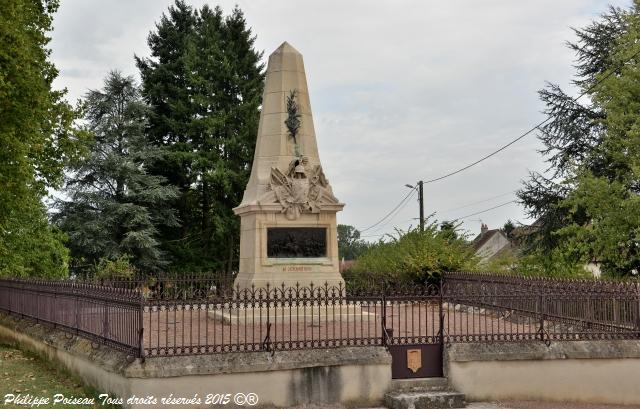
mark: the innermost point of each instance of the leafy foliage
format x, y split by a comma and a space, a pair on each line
115, 206
557, 264
509, 228
350, 245
293, 116
587, 206
120, 267
36, 140
203, 83
29, 245
415, 257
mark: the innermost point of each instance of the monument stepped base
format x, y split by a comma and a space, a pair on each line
309, 315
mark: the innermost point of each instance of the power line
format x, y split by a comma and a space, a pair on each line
486, 210
479, 201
537, 126
396, 210
402, 203
532, 129
393, 213
390, 219
397, 213
457, 218
373, 235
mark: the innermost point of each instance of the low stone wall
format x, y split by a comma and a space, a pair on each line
582, 371
355, 376
587, 371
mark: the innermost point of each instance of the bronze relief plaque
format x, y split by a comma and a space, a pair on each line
296, 242
414, 359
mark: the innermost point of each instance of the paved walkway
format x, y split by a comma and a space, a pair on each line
506, 405
543, 405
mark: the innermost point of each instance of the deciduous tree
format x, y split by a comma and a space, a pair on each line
587, 205
350, 245
36, 140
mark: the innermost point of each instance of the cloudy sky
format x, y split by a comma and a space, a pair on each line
400, 90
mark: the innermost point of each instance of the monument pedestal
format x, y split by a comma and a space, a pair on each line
259, 250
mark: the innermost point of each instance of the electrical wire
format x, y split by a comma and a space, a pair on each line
588, 90
528, 132
402, 203
390, 219
479, 201
486, 210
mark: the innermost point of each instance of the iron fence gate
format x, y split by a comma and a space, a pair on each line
413, 326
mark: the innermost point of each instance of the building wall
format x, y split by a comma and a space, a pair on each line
496, 243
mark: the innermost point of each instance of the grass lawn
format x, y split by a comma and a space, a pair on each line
25, 374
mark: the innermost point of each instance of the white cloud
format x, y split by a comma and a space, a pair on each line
401, 90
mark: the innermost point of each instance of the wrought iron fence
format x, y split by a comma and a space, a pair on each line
524, 309
285, 318
171, 286
199, 314
106, 315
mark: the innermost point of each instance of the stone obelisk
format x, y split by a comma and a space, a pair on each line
288, 212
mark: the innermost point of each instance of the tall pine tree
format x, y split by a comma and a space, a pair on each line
204, 84
587, 204
116, 206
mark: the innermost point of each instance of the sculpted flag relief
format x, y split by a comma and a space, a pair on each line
301, 189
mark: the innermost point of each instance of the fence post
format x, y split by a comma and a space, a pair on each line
105, 321
22, 297
54, 307
141, 330
383, 320
541, 300
637, 310
441, 311
77, 309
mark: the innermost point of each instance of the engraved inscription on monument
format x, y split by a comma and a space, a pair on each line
296, 242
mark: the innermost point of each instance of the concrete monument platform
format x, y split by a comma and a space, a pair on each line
310, 315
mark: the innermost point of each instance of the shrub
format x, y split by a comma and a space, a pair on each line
415, 257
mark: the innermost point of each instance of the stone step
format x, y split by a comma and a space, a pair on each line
424, 399
419, 384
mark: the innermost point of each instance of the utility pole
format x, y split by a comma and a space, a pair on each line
421, 200
419, 186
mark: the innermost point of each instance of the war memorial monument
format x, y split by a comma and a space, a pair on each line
288, 211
